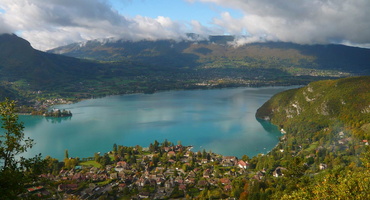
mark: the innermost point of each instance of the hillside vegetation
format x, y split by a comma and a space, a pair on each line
342, 104
219, 52
326, 141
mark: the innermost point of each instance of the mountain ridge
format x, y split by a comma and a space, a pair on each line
209, 52
20, 60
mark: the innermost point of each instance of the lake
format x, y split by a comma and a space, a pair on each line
219, 120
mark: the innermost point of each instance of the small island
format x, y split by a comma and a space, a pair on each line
45, 108
57, 113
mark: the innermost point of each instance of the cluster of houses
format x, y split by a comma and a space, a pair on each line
50, 102
155, 173
159, 182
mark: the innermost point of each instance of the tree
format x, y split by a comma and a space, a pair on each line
246, 158
97, 156
204, 154
115, 149
15, 171
104, 160
52, 165
12, 143
66, 155
70, 163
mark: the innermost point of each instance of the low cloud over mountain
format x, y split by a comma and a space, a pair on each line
306, 22
52, 23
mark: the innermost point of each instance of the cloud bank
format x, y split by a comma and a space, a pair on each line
51, 23
305, 22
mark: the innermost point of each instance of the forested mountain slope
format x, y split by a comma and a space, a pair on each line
324, 104
325, 146
222, 52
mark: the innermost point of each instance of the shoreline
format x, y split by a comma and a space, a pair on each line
174, 90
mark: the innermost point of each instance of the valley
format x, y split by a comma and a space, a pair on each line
323, 153
100, 68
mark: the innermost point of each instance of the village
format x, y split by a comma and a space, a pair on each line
167, 171
158, 172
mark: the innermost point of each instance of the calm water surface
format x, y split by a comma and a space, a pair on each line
221, 120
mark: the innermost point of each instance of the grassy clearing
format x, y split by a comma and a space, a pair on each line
91, 163
366, 128
106, 182
313, 146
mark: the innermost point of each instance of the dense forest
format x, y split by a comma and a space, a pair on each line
325, 148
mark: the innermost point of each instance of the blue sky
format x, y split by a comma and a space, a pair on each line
48, 24
176, 10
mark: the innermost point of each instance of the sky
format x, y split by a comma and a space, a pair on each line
48, 24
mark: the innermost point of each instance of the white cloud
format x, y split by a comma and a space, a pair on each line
4, 27
316, 21
51, 23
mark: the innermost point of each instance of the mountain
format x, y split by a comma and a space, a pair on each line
28, 74
31, 76
218, 52
343, 103
19, 61
324, 146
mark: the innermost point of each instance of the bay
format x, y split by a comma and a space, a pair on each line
219, 120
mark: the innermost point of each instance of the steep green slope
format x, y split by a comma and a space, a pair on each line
325, 149
40, 70
323, 104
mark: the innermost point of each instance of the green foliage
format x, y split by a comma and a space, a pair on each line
15, 171
297, 60
12, 142
52, 165
70, 163
320, 105
326, 123
347, 185
92, 163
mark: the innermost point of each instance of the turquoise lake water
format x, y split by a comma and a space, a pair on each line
220, 120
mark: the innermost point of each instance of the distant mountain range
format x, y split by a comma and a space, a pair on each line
219, 52
111, 66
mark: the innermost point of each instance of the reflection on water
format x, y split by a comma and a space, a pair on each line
55, 120
221, 120
268, 126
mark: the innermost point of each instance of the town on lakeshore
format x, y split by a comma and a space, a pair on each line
160, 171
327, 157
